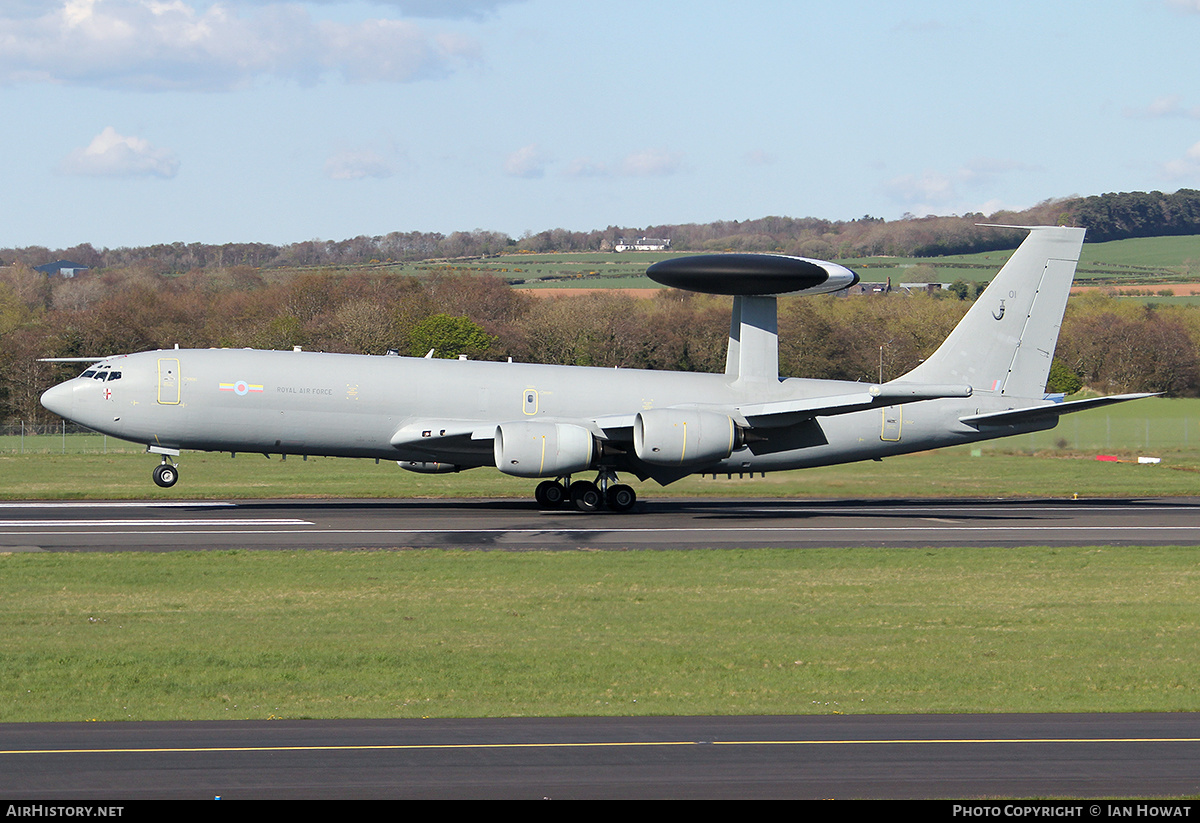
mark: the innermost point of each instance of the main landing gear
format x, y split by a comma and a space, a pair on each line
166, 474
585, 495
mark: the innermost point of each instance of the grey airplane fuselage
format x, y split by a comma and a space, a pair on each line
311, 403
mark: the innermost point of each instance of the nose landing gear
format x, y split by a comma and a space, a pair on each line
166, 474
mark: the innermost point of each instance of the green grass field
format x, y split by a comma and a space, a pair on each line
1120, 263
231, 635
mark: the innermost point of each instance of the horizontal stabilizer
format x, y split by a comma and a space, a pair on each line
1015, 416
901, 392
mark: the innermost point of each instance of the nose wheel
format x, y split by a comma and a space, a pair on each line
166, 474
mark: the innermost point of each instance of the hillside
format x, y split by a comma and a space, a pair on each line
1107, 217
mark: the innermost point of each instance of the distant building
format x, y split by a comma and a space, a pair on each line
928, 288
869, 288
862, 287
642, 244
64, 268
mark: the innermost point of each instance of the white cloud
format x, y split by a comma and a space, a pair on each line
113, 155
440, 9
652, 163
1186, 168
528, 162
928, 187
355, 164
186, 44
645, 163
932, 191
1167, 106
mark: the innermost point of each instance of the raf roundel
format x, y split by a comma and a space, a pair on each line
241, 388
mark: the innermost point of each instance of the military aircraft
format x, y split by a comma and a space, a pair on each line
986, 380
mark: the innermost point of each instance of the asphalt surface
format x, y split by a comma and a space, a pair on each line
937, 756
934, 756
656, 524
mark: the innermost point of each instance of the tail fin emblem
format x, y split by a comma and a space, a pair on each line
1001, 314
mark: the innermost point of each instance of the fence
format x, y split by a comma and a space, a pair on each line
1155, 428
60, 438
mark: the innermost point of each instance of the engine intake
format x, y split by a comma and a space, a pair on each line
537, 449
684, 437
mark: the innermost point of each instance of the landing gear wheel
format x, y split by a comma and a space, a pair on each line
550, 494
620, 498
165, 475
586, 496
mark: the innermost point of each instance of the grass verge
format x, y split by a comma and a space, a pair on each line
945, 473
464, 634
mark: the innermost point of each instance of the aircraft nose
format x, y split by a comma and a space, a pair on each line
58, 399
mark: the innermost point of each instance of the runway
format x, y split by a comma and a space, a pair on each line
994, 756
656, 524
936, 756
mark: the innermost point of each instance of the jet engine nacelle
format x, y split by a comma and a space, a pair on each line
535, 449
684, 437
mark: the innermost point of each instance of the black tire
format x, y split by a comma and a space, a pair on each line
550, 494
166, 475
586, 497
620, 498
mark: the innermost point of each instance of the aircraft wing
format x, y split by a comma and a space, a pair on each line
756, 415
1014, 416
779, 413
788, 412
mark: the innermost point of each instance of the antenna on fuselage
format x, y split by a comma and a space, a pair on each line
755, 281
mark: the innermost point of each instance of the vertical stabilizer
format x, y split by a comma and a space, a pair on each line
753, 339
1004, 344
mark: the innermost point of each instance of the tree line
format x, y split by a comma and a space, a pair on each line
1109, 344
1111, 216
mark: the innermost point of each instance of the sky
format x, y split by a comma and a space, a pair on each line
135, 122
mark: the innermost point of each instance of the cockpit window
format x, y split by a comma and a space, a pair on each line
114, 376
101, 375
89, 373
